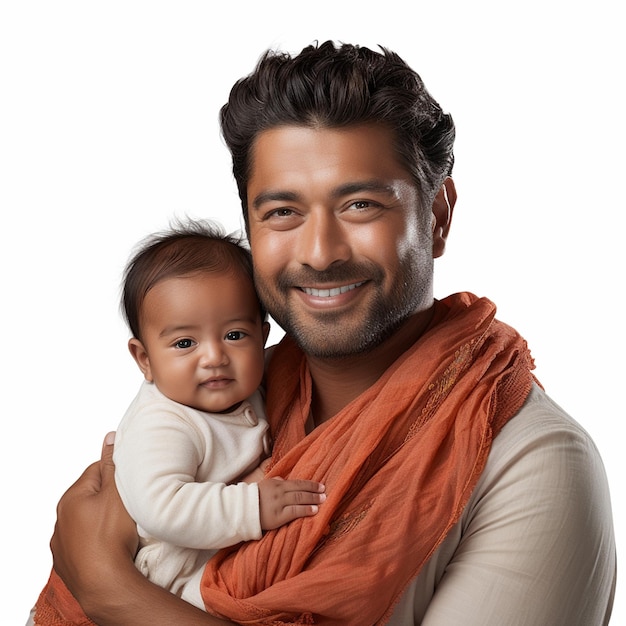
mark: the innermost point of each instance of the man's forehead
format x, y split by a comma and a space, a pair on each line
357, 155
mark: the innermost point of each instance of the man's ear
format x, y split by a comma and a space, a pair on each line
443, 207
140, 355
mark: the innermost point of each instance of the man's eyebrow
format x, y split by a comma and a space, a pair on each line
345, 189
274, 196
374, 185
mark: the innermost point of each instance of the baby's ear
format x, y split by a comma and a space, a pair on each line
141, 357
266, 331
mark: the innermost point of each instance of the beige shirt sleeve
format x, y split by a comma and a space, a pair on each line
535, 545
172, 469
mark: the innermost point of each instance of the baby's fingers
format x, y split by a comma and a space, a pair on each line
283, 501
302, 486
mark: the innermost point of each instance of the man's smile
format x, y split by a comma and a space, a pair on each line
331, 291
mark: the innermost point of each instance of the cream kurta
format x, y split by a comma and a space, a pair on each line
535, 544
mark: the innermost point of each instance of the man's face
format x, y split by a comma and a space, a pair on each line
340, 252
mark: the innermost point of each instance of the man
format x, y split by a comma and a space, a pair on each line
458, 492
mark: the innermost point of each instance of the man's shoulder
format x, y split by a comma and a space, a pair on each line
541, 437
541, 415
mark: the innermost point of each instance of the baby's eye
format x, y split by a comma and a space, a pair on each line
183, 344
235, 335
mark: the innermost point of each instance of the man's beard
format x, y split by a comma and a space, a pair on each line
338, 334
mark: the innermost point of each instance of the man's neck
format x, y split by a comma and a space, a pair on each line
336, 382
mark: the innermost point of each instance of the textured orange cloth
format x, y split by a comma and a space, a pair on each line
56, 606
399, 464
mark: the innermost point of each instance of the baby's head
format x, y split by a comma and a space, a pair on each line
198, 328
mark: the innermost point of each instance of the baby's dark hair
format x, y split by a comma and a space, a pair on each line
186, 248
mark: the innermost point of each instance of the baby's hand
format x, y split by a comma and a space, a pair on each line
283, 501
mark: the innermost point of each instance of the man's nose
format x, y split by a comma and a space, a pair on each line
322, 241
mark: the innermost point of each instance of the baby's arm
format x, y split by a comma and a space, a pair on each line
258, 474
157, 457
282, 501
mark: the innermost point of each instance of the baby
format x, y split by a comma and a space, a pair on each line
197, 429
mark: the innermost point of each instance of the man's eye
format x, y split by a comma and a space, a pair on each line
361, 204
279, 213
235, 335
182, 344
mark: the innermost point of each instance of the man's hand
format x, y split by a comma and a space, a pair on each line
93, 530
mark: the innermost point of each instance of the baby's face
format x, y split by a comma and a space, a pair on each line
203, 339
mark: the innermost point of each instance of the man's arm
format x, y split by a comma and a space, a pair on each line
93, 549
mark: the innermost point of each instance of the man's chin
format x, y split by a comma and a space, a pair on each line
327, 343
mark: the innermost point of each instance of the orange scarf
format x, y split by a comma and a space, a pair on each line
399, 464
56, 606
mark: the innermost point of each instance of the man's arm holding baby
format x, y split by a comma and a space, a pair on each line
93, 547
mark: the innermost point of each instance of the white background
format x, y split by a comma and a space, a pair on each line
108, 129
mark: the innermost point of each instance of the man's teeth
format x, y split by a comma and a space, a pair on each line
327, 293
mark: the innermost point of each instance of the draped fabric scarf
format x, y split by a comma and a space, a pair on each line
399, 464
56, 606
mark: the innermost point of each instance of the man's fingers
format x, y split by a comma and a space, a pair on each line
90, 509
107, 446
107, 467
88, 482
